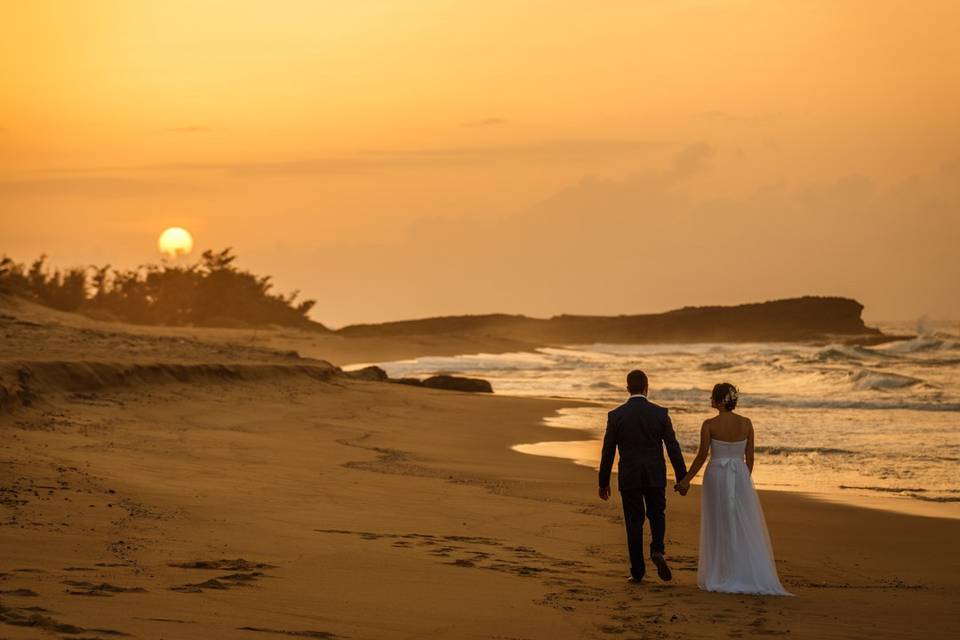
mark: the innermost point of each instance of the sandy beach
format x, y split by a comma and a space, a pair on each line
187, 484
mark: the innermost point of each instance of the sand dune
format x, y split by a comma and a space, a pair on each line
197, 487
22, 381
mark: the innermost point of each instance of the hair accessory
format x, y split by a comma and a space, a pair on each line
732, 395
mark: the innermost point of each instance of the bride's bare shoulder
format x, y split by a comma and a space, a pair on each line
746, 424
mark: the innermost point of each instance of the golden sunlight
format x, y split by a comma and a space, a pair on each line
175, 242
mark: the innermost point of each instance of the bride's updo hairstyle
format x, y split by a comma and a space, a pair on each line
725, 395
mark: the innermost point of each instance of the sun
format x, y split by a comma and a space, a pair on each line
175, 242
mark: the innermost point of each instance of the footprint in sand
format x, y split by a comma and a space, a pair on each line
220, 583
20, 593
223, 565
34, 617
245, 574
477, 552
102, 590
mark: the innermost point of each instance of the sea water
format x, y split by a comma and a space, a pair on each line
848, 421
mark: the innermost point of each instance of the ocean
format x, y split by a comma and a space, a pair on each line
844, 422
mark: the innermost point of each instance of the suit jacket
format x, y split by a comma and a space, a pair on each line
640, 429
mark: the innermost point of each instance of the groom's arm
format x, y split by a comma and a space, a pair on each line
673, 447
608, 452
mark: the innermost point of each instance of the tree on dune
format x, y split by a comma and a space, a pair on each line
211, 292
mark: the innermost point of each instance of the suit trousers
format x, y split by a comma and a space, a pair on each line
649, 502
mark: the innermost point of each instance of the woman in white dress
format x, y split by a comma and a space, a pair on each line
735, 552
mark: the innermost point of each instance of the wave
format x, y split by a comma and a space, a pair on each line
510, 362
917, 493
884, 489
921, 344
604, 385
857, 404
832, 354
937, 458
935, 498
786, 451
697, 396
792, 376
868, 380
701, 397
855, 353
944, 335
716, 366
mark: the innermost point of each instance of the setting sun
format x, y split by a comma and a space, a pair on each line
175, 242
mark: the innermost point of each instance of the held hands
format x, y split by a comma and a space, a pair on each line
604, 493
682, 487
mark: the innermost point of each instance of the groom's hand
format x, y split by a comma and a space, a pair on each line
604, 493
681, 488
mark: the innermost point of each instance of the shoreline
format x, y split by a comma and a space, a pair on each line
898, 504
893, 503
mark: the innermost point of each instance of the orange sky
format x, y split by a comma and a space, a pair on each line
407, 158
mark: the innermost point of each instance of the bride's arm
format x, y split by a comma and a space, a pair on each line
749, 453
701, 456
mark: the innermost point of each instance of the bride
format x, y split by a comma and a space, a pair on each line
735, 552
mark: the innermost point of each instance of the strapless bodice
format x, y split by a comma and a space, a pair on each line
720, 449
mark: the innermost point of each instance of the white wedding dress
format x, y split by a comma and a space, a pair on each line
735, 552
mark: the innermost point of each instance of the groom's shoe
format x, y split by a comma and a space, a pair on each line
662, 569
635, 579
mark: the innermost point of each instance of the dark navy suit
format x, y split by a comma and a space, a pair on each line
640, 430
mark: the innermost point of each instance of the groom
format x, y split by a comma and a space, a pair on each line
639, 429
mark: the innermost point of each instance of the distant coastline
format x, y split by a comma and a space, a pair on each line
807, 318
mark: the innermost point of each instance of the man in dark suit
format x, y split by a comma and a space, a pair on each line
640, 429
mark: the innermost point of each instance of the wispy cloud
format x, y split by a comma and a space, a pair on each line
92, 186
390, 159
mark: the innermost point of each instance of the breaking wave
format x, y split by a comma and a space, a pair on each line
921, 344
865, 379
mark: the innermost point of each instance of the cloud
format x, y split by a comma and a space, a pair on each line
563, 150
691, 160
94, 187
484, 122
